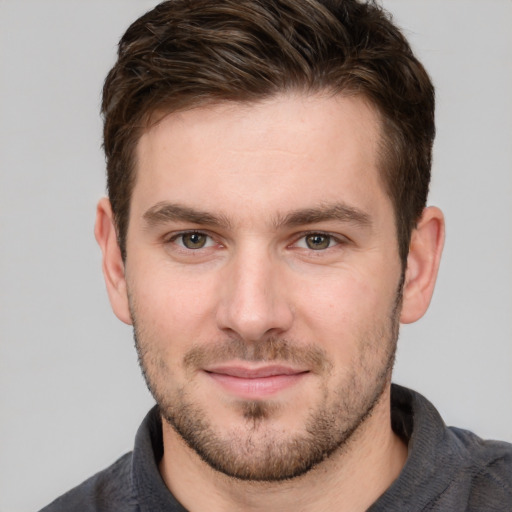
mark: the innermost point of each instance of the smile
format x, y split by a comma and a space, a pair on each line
255, 383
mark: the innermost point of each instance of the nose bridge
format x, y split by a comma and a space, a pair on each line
254, 299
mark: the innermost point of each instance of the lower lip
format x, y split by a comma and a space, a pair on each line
260, 387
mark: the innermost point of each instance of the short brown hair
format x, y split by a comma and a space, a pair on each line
186, 53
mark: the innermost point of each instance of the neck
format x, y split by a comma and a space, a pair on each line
351, 479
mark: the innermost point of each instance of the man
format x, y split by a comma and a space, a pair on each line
265, 234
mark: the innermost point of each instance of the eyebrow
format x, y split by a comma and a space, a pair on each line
164, 212
338, 211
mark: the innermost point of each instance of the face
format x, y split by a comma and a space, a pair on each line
264, 279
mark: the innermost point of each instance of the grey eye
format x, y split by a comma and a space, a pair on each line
317, 241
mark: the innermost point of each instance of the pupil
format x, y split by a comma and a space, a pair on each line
318, 241
194, 240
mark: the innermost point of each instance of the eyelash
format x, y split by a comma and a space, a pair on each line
336, 239
182, 234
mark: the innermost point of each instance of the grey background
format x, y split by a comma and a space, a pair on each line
71, 396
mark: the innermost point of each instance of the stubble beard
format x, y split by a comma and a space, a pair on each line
255, 450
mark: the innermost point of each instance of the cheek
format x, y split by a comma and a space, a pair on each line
341, 299
344, 311
170, 306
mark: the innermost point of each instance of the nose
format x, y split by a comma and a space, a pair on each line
254, 295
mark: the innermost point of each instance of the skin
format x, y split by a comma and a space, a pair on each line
256, 184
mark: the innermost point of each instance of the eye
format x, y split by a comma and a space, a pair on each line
193, 240
317, 241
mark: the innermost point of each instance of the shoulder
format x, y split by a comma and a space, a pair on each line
109, 490
488, 465
447, 468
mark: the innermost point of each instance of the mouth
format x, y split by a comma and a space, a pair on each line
255, 383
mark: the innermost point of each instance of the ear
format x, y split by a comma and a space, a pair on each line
425, 250
113, 265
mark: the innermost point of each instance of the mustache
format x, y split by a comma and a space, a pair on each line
269, 350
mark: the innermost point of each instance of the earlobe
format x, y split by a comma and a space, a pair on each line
425, 250
113, 265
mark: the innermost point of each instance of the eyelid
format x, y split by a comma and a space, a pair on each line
172, 237
336, 237
175, 235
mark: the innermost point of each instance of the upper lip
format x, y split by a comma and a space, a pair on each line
245, 372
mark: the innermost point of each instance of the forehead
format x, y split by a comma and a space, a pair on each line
276, 153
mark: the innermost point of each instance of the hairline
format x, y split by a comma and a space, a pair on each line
152, 116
